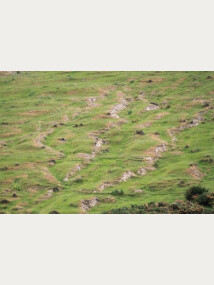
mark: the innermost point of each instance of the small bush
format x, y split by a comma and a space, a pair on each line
140, 132
204, 200
194, 192
117, 192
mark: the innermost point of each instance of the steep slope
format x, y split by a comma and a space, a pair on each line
68, 140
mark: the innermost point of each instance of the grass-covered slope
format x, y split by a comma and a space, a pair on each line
68, 140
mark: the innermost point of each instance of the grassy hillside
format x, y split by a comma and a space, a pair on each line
88, 142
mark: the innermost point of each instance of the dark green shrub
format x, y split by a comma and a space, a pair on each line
204, 200
193, 192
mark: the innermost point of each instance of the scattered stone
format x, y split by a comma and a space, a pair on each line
92, 100
195, 122
159, 149
152, 106
139, 191
87, 204
142, 171
126, 176
73, 171
117, 108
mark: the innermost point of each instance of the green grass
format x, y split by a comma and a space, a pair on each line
31, 103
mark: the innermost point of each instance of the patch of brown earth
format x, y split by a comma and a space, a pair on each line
161, 115
48, 176
157, 138
34, 113
195, 172
46, 196
152, 80
11, 132
65, 118
144, 125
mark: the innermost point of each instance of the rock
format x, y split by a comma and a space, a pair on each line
62, 139
152, 106
149, 81
14, 195
87, 204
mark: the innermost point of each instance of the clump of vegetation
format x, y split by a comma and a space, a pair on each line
200, 195
140, 132
199, 201
194, 191
178, 207
117, 192
16, 185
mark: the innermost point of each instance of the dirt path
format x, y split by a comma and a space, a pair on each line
98, 142
120, 106
38, 142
